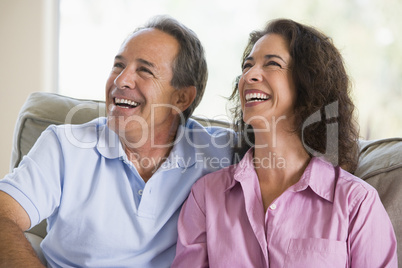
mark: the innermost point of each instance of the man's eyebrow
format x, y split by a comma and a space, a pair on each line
118, 57
148, 63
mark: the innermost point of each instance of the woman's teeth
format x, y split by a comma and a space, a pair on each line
253, 97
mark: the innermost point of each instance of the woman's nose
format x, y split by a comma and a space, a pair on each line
253, 75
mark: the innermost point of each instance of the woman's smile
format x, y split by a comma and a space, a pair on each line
254, 97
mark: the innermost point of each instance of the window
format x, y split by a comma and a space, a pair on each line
91, 32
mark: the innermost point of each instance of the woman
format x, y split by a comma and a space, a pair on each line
288, 202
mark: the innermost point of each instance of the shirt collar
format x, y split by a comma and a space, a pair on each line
243, 169
319, 175
109, 145
182, 154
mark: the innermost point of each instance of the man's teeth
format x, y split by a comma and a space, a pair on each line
253, 97
125, 101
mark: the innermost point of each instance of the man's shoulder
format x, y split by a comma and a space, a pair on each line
204, 148
94, 123
78, 134
198, 134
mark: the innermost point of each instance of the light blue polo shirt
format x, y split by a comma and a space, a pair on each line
100, 212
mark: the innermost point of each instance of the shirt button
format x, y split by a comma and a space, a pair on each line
140, 192
272, 207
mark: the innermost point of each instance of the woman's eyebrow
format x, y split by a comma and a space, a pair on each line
248, 58
268, 56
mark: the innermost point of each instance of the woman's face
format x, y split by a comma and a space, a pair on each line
266, 88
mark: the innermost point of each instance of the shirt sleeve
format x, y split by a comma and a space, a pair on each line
191, 250
372, 238
36, 183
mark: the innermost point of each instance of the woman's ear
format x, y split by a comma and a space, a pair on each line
183, 98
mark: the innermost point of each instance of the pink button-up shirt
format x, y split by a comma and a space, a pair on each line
329, 218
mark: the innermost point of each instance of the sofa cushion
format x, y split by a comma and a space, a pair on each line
380, 164
43, 109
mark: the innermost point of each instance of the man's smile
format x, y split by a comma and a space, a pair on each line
125, 103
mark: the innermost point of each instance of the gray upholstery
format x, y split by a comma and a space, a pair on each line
380, 161
380, 164
43, 109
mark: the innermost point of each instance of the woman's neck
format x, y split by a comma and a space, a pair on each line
279, 163
284, 151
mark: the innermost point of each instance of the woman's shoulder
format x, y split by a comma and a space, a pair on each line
351, 181
341, 182
355, 191
218, 180
343, 178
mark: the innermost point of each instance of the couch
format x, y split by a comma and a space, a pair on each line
380, 161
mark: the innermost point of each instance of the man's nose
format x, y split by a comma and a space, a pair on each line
126, 79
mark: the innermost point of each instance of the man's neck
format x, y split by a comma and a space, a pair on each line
152, 153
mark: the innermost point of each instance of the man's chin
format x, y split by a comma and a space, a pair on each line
130, 125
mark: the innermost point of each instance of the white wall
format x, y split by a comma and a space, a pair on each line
28, 60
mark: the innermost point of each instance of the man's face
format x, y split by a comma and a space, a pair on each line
139, 96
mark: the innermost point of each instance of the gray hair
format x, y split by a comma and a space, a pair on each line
190, 66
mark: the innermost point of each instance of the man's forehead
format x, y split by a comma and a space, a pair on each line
150, 34
152, 48
144, 31
151, 40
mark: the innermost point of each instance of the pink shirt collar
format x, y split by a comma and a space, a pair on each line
319, 175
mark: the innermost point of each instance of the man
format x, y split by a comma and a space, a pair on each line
112, 189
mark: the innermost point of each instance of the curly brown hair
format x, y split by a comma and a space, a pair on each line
324, 111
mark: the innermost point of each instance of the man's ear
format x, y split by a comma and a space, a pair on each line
184, 97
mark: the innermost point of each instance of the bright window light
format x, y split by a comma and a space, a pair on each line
366, 32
